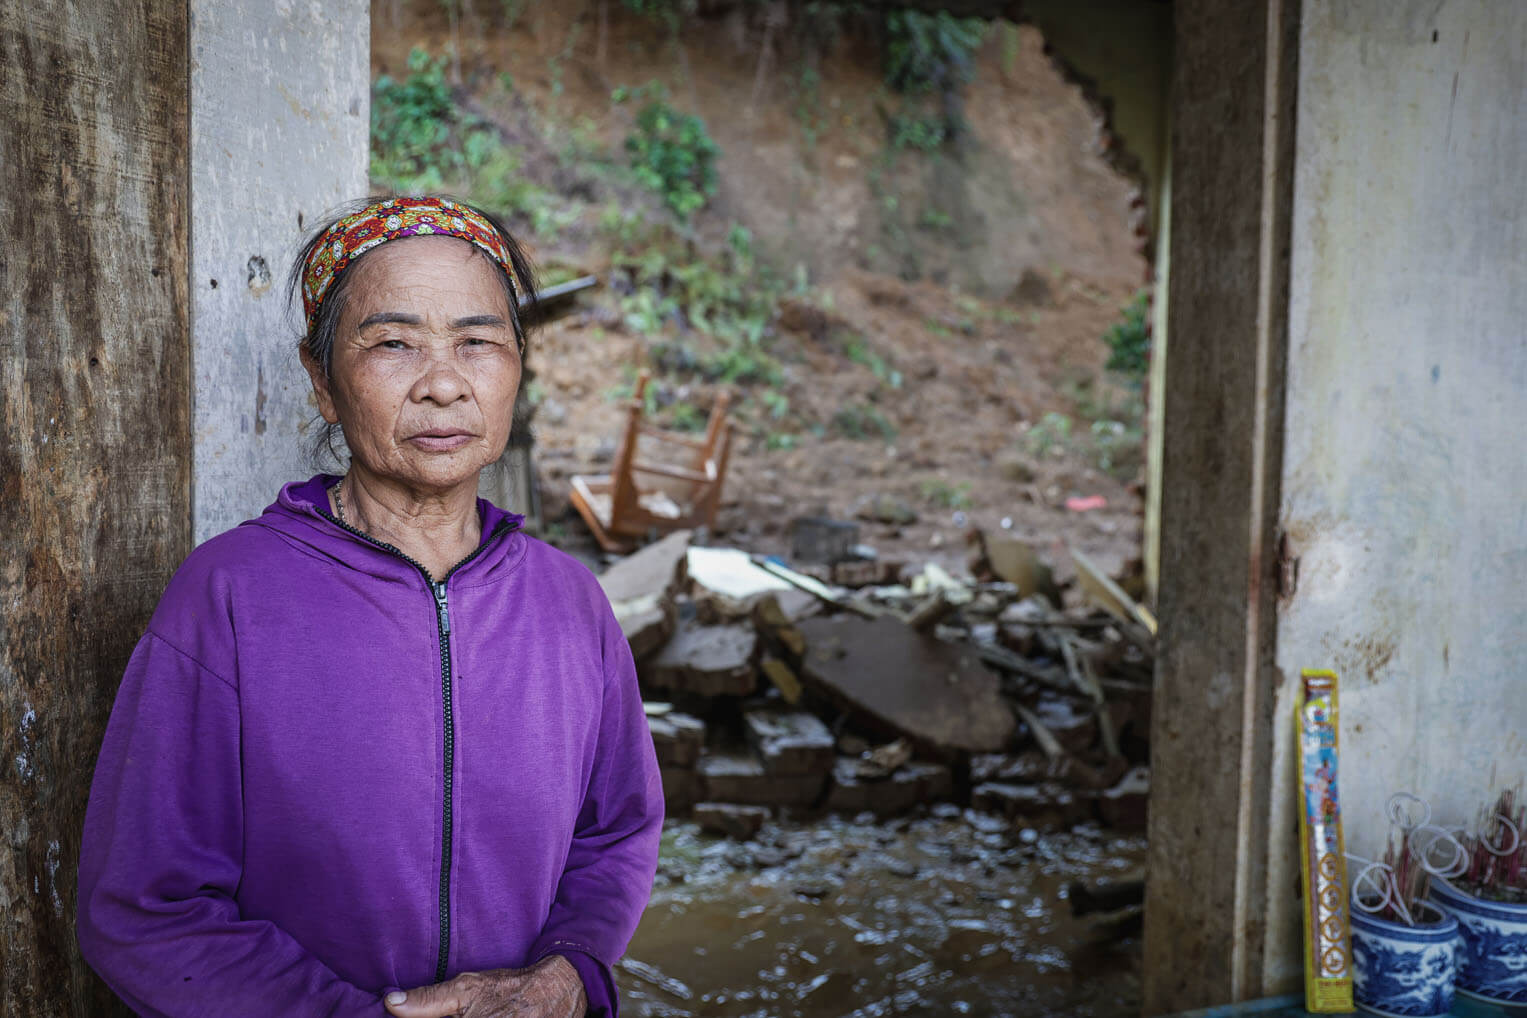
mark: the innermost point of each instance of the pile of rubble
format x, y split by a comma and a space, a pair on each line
770, 690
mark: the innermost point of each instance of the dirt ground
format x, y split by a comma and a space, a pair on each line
1000, 326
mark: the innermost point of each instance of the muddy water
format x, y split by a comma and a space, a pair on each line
948, 914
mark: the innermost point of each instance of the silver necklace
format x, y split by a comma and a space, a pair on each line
339, 502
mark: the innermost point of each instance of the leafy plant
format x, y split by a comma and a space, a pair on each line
685, 416
671, 153
416, 129
1050, 437
930, 52
859, 421
948, 496
860, 353
1129, 340
925, 134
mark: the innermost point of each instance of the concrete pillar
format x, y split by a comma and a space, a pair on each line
95, 455
280, 119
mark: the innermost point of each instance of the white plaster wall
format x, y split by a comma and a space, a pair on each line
280, 114
1405, 462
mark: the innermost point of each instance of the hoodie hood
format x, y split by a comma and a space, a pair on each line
301, 515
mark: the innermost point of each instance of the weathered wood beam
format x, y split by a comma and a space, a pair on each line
95, 455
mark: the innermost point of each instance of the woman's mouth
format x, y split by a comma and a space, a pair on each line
441, 439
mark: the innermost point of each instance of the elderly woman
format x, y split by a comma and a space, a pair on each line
380, 751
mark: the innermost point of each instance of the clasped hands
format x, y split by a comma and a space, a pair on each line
551, 988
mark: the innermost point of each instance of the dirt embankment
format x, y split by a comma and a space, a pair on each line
950, 300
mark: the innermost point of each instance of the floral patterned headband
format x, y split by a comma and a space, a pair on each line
393, 219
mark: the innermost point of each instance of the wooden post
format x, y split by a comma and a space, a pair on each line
1211, 736
95, 458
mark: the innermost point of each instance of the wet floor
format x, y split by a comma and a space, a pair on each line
948, 913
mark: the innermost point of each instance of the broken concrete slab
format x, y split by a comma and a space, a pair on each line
1126, 806
913, 783
937, 694
642, 588
730, 573
707, 660
678, 739
741, 778
730, 819
789, 742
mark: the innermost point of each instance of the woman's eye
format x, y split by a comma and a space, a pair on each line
392, 344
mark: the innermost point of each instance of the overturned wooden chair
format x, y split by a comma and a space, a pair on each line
661, 481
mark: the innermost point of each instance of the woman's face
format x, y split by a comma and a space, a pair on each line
425, 365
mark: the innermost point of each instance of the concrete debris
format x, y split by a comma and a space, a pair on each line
1125, 806
731, 574
790, 742
933, 577
707, 660
883, 761
741, 778
937, 694
1074, 726
912, 783
822, 540
865, 572
731, 820
678, 738
1049, 806
642, 588
976, 692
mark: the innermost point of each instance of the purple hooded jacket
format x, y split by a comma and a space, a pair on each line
325, 778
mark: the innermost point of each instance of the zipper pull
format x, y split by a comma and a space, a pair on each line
445, 618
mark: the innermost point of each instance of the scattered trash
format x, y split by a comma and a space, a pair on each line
1086, 503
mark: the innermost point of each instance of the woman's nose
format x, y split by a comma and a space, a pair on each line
441, 383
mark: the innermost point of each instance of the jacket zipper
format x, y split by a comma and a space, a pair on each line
443, 633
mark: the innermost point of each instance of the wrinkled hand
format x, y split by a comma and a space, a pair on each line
550, 988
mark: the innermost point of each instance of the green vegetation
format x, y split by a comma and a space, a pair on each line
860, 421
422, 141
1129, 341
418, 136
672, 153
930, 53
946, 495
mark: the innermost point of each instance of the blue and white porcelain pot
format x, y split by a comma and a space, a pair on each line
1494, 963
1405, 970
